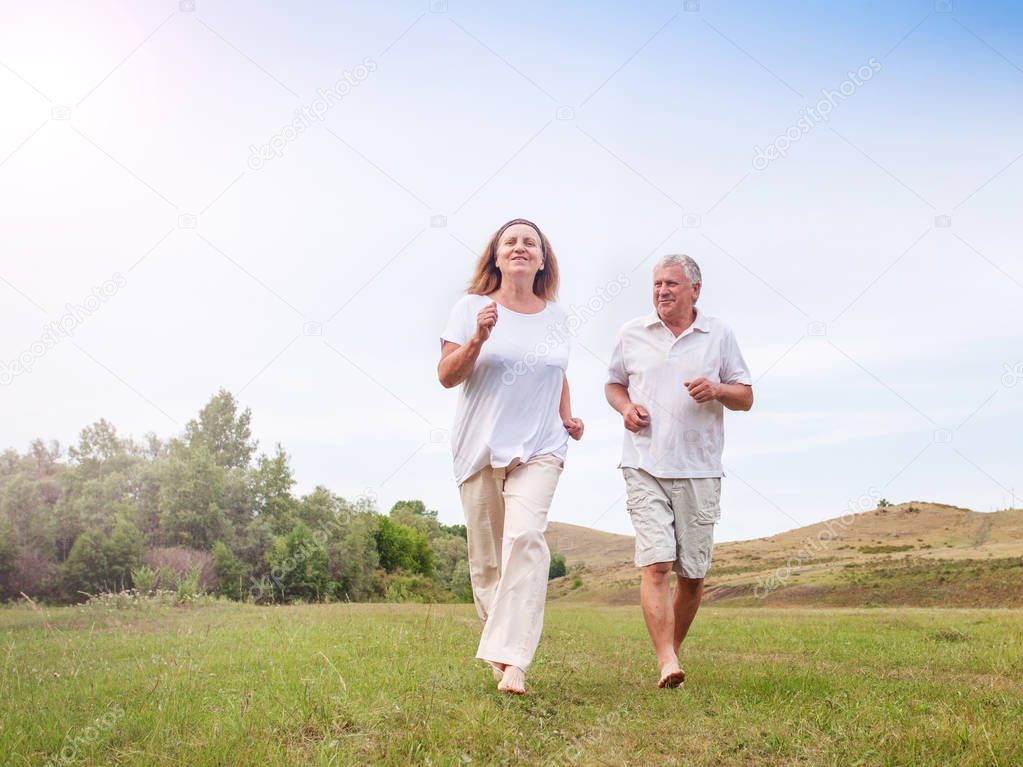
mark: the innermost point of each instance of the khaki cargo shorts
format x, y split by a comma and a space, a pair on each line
674, 520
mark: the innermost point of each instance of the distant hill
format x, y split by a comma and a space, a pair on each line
586, 546
914, 554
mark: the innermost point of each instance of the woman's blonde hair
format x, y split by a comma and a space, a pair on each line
486, 277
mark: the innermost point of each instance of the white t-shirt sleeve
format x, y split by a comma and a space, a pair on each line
458, 330
733, 367
616, 372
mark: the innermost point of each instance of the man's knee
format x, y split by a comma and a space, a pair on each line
658, 571
690, 584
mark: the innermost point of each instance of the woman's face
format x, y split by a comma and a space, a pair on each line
519, 251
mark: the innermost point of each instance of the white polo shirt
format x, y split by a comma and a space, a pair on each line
684, 438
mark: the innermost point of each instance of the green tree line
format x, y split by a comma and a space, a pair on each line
205, 509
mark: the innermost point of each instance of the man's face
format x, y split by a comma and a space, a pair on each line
674, 295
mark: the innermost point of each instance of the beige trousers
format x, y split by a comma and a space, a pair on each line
506, 517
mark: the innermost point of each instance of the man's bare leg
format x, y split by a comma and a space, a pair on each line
688, 593
655, 597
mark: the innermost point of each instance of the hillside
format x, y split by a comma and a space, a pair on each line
920, 554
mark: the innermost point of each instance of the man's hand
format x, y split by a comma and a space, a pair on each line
636, 417
702, 390
575, 428
485, 321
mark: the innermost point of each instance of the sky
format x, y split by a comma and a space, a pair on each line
847, 176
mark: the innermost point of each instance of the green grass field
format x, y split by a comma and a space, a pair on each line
232, 684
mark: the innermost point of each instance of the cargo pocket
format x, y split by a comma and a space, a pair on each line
709, 503
637, 499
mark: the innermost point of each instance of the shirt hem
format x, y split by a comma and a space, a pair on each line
674, 474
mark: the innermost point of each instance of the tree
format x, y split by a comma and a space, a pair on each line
272, 487
299, 568
85, 569
403, 548
319, 509
191, 488
30, 518
124, 550
97, 443
354, 558
223, 431
8, 556
448, 551
230, 572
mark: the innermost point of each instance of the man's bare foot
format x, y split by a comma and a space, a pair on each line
672, 675
513, 680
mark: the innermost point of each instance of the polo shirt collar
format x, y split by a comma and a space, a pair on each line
701, 322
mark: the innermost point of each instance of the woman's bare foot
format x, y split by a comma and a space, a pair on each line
498, 670
513, 681
672, 675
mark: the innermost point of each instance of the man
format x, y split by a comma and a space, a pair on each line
672, 374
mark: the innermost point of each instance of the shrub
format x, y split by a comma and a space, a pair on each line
557, 569
230, 572
144, 579
85, 571
175, 563
188, 585
461, 581
402, 587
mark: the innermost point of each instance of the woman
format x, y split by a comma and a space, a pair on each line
505, 343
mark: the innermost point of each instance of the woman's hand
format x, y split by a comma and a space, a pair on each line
575, 427
485, 321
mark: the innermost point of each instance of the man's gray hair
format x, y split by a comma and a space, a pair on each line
690, 267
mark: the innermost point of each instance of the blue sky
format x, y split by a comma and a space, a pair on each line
872, 274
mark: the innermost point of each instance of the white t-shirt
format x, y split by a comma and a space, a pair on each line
684, 438
508, 407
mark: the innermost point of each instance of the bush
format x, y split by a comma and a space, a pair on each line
176, 563
402, 587
84, 572
188, 585
558, 569
230, 572
144, 579
461, 582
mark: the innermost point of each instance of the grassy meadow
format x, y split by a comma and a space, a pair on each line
218, 683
